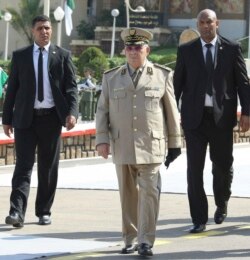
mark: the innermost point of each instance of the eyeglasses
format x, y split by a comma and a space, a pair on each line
134, 47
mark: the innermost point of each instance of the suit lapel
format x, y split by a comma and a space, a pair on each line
52, 56
126, 81
196, 55
145, 76
30, 62
219, 52
220, 59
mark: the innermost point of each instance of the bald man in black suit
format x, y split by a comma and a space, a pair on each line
210, 76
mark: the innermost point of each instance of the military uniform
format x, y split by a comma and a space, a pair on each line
87, 102
138, 121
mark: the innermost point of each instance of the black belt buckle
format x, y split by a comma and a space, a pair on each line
43, 111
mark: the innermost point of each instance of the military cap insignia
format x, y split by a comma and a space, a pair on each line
149, 71
136, 36
132, 31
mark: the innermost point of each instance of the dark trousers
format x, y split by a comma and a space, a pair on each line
220, 143
43, 135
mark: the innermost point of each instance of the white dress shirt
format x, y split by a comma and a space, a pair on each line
209, 99
48, 100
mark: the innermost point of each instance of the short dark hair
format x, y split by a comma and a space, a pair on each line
40, 18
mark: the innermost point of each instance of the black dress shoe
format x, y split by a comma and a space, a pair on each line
14, 219
198, 228
145, 250
44, 220
129, 249
220, 215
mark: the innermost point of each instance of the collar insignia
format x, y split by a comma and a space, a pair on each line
149, 71
123, 72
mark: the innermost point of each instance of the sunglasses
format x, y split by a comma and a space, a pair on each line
134, 47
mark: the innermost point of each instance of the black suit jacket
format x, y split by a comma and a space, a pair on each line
20, 96
230, 81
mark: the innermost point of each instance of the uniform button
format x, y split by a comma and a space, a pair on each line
135, 117
134, 95
135, 130
134, 106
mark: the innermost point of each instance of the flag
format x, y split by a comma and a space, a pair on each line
3, 80
68, 9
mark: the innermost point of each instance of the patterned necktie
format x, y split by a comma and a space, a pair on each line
210, 68
135, 76
40, 75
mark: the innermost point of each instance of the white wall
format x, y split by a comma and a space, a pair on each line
231, 29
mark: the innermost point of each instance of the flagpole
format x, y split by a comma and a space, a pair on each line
46, 7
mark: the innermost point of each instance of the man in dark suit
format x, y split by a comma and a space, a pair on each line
41, 97
209, 85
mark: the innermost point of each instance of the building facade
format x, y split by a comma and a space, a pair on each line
165, 18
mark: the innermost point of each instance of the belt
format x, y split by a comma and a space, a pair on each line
208, 110
44, 111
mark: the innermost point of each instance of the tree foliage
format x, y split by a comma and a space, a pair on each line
106, 19
94, 59
116, 61
22, 19
86, 30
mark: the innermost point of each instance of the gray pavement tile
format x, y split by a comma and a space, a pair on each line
94, 215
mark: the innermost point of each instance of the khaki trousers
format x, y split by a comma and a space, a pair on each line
139, 187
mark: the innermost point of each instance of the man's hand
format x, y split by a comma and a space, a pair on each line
70, 122
103, 150
173, 153
8, 130
244, 123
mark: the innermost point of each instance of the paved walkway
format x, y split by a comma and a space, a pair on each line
86, 217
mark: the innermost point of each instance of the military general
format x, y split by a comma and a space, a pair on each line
137, 116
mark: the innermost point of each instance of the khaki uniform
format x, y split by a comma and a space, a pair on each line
138, 122
87, 103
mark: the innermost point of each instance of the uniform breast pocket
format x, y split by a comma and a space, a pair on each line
119, 99
152, 100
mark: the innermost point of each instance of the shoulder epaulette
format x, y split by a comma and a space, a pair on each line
163, 67
115, 68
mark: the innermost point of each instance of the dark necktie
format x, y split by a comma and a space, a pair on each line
135, 76
40, 75
210, 68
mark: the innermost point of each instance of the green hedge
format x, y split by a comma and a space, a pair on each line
93, 57
5, 65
